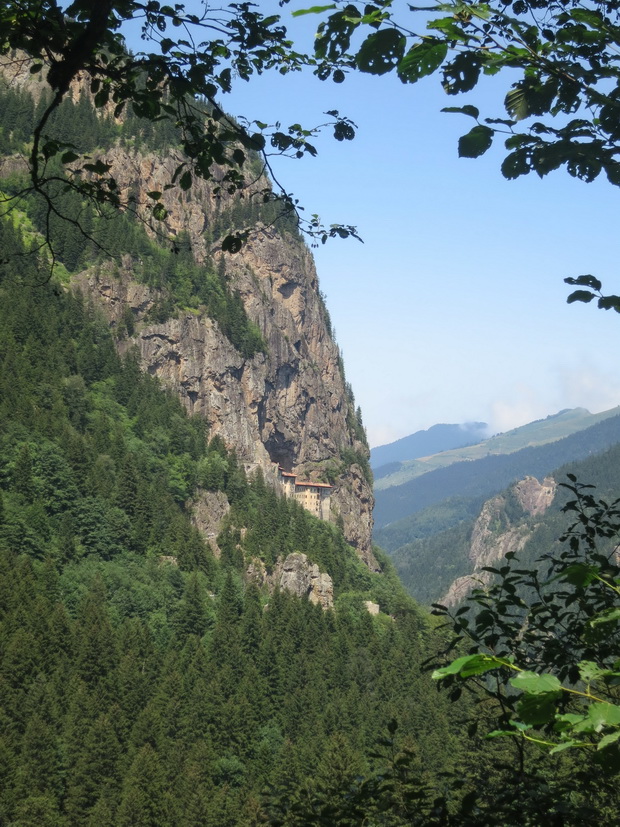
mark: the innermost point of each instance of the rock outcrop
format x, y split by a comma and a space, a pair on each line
303, 578
208, 509
492, 538
297, 575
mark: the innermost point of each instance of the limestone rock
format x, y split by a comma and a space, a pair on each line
288, 406
208, 509
488, 545
297, 575
303, 578
535, 497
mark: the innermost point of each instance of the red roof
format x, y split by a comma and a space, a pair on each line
286, 474
314, 484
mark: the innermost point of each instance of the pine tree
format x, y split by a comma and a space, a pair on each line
143, 801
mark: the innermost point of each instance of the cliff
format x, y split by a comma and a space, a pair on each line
288, 405
493, 536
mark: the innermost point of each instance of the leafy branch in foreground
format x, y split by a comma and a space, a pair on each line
544, 643
178, 82
586, 296
560, 57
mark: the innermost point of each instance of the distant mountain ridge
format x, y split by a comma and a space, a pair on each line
490, 474
434, 549
536, 433
423, 443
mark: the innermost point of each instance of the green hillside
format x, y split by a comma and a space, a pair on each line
143, 682
490, 474
540, 432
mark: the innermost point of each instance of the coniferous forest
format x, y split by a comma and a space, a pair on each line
145, 682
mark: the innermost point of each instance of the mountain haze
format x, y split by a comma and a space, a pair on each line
490, 474
526, 518
423, 443
539, 432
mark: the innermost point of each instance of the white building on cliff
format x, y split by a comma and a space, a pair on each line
314, 496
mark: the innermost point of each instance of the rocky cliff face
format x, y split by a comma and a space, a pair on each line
297, 575
288, 406
492, 539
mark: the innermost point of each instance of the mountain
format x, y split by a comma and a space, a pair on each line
257, 359
423, 443
526, 518
184, 640
485, 476
539, 432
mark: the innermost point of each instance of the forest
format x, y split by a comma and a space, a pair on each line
136, 691
146, 680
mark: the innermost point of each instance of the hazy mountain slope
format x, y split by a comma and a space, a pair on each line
540, 432
431, 441
431, 563
487, 476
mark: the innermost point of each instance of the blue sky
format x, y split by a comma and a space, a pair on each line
454, 308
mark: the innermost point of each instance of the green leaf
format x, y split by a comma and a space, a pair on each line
607, 616
580, 574
499, 732
99, 168
580, 296
586, 281
590, 671
603, 714
448, 26
313, 10
537, 709
154, 194
516, 104
69, 156
476, 142
233, 243
238, 156
102, 97
609, 303
612, 170
587, 16
422, 59
185, 181
159, 212
535, 684
565, 745
515, 164
608, 739
468, 665
381, 52
472, 111
568, 721
462, 74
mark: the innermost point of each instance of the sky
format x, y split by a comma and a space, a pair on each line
454, 307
